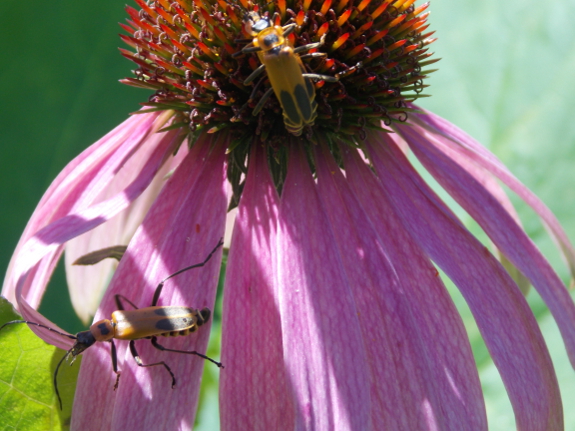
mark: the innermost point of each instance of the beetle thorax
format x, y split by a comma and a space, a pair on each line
270, 38
103, 330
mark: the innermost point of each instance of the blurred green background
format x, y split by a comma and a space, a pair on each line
506, 77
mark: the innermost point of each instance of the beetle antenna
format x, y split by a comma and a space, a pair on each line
56, 375
197, 265
73, 337
220, 243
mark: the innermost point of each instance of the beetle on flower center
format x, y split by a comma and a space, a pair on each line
288, 77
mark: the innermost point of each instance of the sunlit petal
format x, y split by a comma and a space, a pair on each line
173, 235
254, 391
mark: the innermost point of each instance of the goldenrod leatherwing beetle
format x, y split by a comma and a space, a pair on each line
149, 322
288, 77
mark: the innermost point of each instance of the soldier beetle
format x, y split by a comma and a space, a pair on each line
149, 322
288, 77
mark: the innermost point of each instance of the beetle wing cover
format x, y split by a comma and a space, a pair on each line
149, 321
296, 95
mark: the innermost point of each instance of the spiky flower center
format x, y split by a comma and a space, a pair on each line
194, 55
185, 54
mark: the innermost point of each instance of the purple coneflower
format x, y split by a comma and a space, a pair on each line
335, 316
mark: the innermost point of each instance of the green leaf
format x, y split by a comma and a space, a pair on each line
27, 397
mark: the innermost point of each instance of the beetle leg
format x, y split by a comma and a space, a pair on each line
255, 90
139, 361
314, 55
262, 101
241, 52
326, 78
244, 40
114, 356
289, 29
309, 46
120, 305
255, 74
197, 265
253, 93
157, 293
189, 352
250, 49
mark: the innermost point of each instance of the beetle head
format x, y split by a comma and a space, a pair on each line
254, 24
84, 340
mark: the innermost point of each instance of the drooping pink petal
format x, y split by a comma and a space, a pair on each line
323, 345
46, 245
253, 388
183, 225
453, 137
421, 352
87, 284
490, 182
441, 162
506, 323
74, 189
65, 190
128, 136
26, 283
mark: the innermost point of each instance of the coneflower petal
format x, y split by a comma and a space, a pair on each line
501, 228
439, 361
87, 283
324, 351
84, 217
453, 137
506, 323
66, 189
254, 391
184, 223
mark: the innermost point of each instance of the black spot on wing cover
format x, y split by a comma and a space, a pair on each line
178, 318
304, 103
289, 106
175, 324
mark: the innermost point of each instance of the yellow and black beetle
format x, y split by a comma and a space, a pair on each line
288, 78
149, 322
